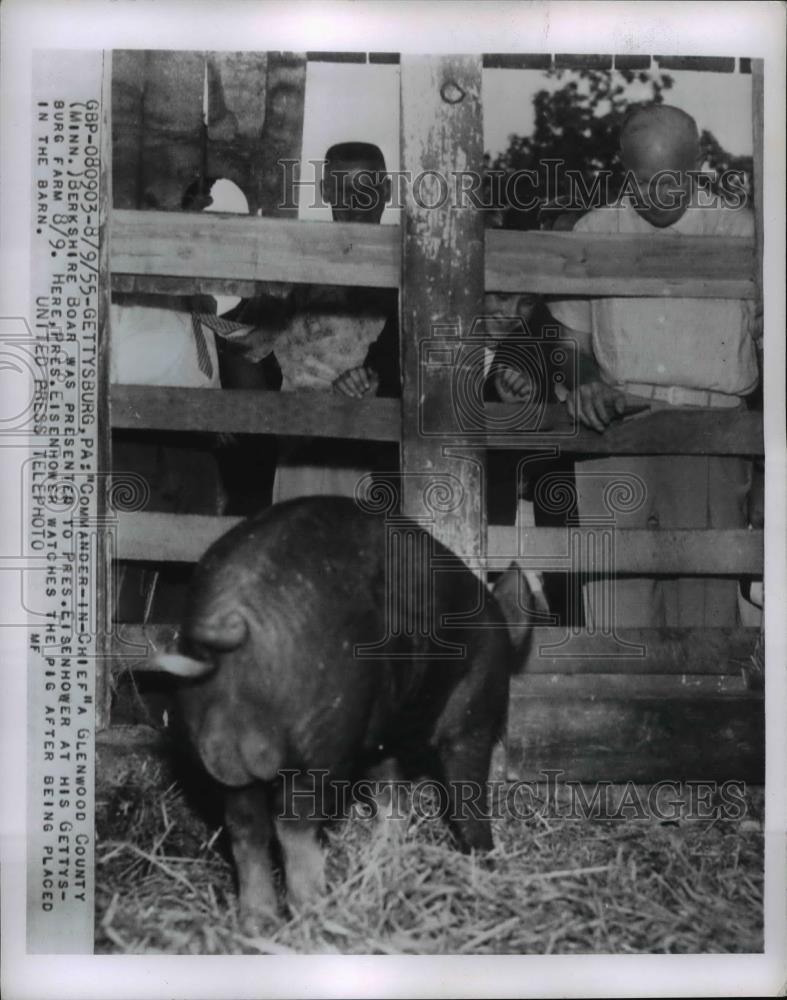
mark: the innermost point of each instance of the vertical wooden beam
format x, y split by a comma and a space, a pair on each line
441, 296
758, 155
237, 84
103, 569
128, 111
172, 129
281, 137
758, 119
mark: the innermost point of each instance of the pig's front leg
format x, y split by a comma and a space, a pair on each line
465, 762
250, 827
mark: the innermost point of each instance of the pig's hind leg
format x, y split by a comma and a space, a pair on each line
248, 816
298, 825
391, 799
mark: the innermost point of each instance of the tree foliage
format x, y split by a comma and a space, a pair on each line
578, 125
719, 162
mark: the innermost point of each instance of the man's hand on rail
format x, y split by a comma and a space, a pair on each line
357, 382
596, 404
513, 386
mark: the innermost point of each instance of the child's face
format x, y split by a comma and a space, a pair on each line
355, 191
498, 304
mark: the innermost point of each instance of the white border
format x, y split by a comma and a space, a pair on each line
752, 28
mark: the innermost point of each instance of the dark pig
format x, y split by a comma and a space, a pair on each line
322, 640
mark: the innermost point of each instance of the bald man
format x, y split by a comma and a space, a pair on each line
668, 352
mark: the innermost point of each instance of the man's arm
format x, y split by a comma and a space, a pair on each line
379, 372
511, 374
383, 358
591, 400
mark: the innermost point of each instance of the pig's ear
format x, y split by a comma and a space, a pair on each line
180, 665
519, 605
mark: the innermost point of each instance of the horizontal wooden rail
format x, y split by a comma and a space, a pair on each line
642, 650
544, 60
312, 413
583, 264
161, 537
592, 686
723, 552
639, 739
556, 654
307, 413
157, 537
231, 254
619, 744
242, 248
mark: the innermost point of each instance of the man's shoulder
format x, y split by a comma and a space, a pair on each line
706, 220
719, 220
734, 221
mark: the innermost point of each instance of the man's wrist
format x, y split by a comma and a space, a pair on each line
587, 370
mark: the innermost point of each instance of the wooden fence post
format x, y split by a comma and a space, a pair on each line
281, 136
758, 154
758, 157
758, 118
442, 293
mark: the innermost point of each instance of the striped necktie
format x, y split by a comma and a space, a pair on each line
224, 328
203, 354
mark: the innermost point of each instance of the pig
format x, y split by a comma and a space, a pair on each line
312, 647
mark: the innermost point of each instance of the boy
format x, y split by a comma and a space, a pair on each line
332, 340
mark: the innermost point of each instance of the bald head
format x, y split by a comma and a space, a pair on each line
658, 140
667, 136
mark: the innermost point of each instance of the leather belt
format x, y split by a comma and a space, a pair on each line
677, 395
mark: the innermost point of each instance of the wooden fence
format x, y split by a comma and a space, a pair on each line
685, 702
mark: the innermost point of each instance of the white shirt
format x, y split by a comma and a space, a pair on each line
154, 346
694, 343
